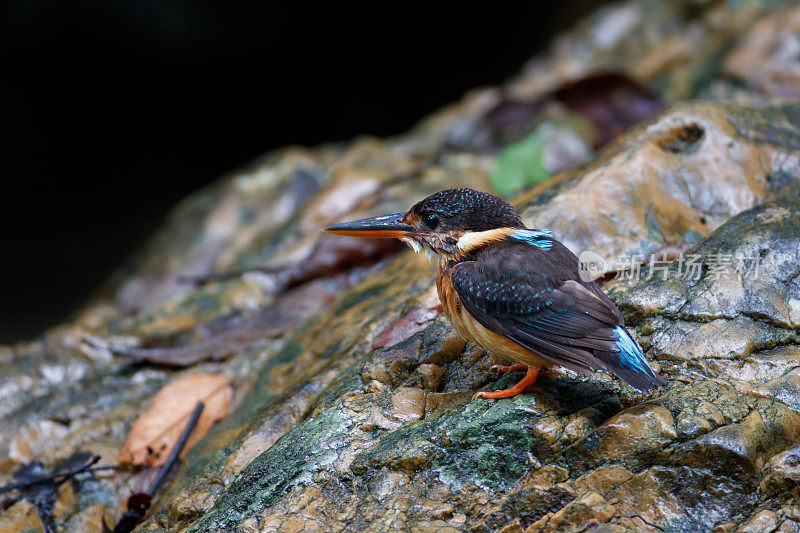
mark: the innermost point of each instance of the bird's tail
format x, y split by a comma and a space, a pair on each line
629, 362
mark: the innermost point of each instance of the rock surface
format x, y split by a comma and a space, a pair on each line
352, 403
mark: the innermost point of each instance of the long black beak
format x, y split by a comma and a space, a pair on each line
387, 226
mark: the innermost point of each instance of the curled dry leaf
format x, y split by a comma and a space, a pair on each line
156, 432
289, 310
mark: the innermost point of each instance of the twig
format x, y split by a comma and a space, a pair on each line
55, 477
139, 503
176, 451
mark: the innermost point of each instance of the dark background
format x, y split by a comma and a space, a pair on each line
114, 110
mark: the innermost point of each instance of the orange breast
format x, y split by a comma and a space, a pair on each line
474, 331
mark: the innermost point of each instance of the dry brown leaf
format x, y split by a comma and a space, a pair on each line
289, 310
416, 320
156, 432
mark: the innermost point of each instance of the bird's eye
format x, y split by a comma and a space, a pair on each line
431, 220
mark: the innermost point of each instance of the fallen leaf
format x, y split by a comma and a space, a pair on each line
611, 101
521, 164
227, 337
416, 320
156, 432
332, 255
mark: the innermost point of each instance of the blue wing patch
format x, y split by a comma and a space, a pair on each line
541, 238
630, 353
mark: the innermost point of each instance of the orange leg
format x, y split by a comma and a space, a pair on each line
527, 381
519, 366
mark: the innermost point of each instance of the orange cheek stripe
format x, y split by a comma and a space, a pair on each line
475, 239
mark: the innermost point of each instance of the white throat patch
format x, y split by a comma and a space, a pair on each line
412, 243
425, 248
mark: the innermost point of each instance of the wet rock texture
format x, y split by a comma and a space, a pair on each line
352, 407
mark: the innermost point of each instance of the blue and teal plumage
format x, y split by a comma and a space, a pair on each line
631, 355
541, 238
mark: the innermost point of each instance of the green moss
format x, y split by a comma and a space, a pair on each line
291, 461
484, 443
521, 165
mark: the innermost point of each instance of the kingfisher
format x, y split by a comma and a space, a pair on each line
517, 292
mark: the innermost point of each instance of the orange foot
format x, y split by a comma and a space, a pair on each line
527, 381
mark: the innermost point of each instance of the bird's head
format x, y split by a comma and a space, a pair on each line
447, 224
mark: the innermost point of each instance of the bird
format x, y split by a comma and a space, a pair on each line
516, 292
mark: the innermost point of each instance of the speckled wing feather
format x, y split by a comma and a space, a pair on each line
535, 297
